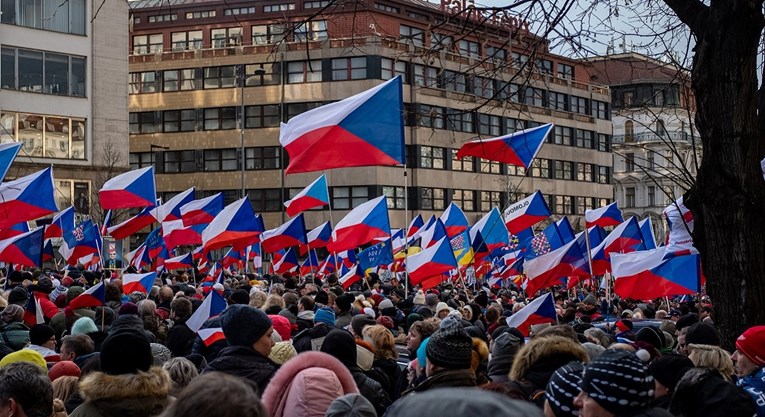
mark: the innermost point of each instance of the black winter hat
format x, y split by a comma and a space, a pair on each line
450, 346
45, 285
669, 368
321, 298
18, 295
651, 335
703, 392
563, 388
243, 325
126, 351
686, 321
40, 333
344, 301
340, 344
619, 382
702, 334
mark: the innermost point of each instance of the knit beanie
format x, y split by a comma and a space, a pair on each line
45, 285
450, 347
18, 295
563, 388
160, 353
84, 325
12, 313
321, 298
686, 321
282, 326
64, 368
243, 325
386, 303
590, 300
73, 293
126, 351
419, 298
128, 308
702, 334
669, 368
442, 306
340, 344
39, 334
325, 315
421, 355
651, 335
344, 301
25, 355
360, 321
752, 344
431, 300
619, 382
351, 405
282, 352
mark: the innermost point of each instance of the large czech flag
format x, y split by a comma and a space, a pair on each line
62, 222
24, 249
212, 306
138, 282
609, 215
433, 261
646, 230
202, 211
316, 194
490, 232
93, 297
171, 210
138, 257
317, 238
131, 189
363, 224
176, 234
349, 278
291, 233
647, 274
180, 262
133, 224
235, 226
625, 238
549, 269
517, 148
539, 311
454, 220
14, 230
363, 130
526, 213
284, 261
27, 198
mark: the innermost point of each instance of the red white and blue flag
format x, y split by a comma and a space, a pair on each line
291, 233
24, 249
133, 224
363, 130
317, 238
233, 258
93, 297
212, 306
433, 261
454, 220
180, 262
138, 282
526, 213
316, 194
131, 189
519, 148
8, 152
549, 269
82, 241
433, 234
62, 222
680, 222
235, 226
202, 211
139, 257
625, 238
609, 215
176, 234
27, 198
171, 210
490, 232
349, 278
541, 310
14, 230
284, 261
362, 225
310, 264
649, 274
33, 312
414, 227
646, 230
211, 335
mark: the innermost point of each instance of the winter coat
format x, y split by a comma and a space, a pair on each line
244, 362
157, 327
49, 309
302, 340
754, 385
388, 374
306, 385
130, 395
180, 339
371, 390
502, 354
445, 379
304, 320
15, 335
58, 322
209, 352
461, 402
343, 320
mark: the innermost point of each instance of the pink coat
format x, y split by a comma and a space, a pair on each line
306, 385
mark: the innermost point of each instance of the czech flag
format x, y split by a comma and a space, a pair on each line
625, 238
233, 257
284, 261
24, 249
646, 230
8, 152
539, 311
363, 224
291, 233
526, 213
329, 266
236, 225
172, 209
33, 312
547, 270
212, 306
433, 234
609, 215
254, 253
180, 262
397, 239
176, 234
27, 198
363, 130
62, 222
314, 195
93, 297
138, 257
132, 225
202, 211
211, 335
647, 274
454, 220
414, 226
490, 231
519, 148
347, 258
138, 282
14, 230
349, 278
131, 189
317, 238
435, 260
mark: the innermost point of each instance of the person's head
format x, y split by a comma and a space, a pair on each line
666, 371
343, 303
42, 335
64, 387
702, 334
324, 316
126, 351
419, 331
340, 344
359, 322
597, 336
247, 326
708, 356
274, 300
704, 392
181, 371
62, 369
749, 356
165, 294
25, 390
382, 340
306, 303
217, 394
180, 308
562, 389
74, 346
614, 384
12, 313
461, 402
450, 347
146, 308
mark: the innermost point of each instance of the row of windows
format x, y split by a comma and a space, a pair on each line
208, 160
216, 118
44, 136
67, 17
648, 161
650, 198
42, 72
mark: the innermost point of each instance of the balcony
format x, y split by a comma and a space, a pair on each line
646, 137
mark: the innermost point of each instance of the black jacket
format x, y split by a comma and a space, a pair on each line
244, 362
388, 374
302, 340
371, 390
444, 379
180, 339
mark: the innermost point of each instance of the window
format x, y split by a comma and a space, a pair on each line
268, 34
163, 18
562, 135
563, 170
266, 157
147, 44
345, 198
565, 71
489, 124
221, 118
432, 157
564, 204
391, 68
265, 200
515, 170
489, 167
239, 10
201, 14
604, 175
534, 96
432, 198
498, 55
8, 68
417, 16
469, 48
42, 72
519, 60
53, 15
293, 109
490, 199
315, 30
604, 142
315, 4
395, 197
220, 160
458, 120
386, 8
483, 87
186, 40
540, 168
455, 81
349, 68
440, 42
465, 199
583, 172
278, 7
651, 196
44, 136
600, 109
179, 161
56, 74
270, 76
629, 98
629, 162
578, 105
583, 204
304, 71
179, 80
629, 197
510, 92
650, 159
143, 122
431, 116
224, 37
464, 164
545, 66
557, 101
412, 35
140, 160
143, 82
661, 130
514, 125
426, 76
669, 157
261, 116
629, 131
179, 120
584, 138
219, 77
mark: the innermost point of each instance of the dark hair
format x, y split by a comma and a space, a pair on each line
113, 293
80, 344
492, 314
217, 394
182, 307
307, 302
29, 387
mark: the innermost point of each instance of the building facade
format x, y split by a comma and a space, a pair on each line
483, 77
63, 93
656, 147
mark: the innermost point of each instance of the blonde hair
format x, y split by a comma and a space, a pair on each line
715, 357
257, 299
273, 300
382, 340
64, 387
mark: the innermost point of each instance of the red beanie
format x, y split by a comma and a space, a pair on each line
282, 326
752, 344
63, 368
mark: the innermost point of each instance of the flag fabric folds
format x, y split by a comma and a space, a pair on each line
132, 225
176, 234
350, 277
138, 282
414, 227
211, 335
490, 231
291, 233
454, 220
33, 312
519, 148
649, 274
548, 269
202, 211
625, 238
62, 222
316, 194
540, 310
212, 306
131, 189
646, 231
82, 241
14, 230
435, 260
93, 297
376, 255
363, 224
236, 225
609, 215
8, 152
680, 222
526, 213
284, 261
366, 129
24, 249
317, 238
171, 210
180, 262
27, 198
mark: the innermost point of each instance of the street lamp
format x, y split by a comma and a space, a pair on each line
243, 77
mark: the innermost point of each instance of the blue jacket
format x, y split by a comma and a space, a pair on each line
754, 385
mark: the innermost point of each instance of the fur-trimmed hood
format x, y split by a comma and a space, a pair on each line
141, 394
546, 350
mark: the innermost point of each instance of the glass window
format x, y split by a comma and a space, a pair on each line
266, 157
239, 11
455, 81
433, 198
489, 124
219, 77
349, 68
565, 71
440, 42
262, 116
604, 142
412, 35
534, 96
304, 71
147, 44
345, 198
30, 70
578, 105
584, 138
179, 80
426, 76
432, 157
629, 197
564, 204
495, 54
220, 160
266, 200
204, 14
315, 4
431, 116
77, 81
544, 66
315, 30
464, 164
143, 122
180, 161
386, 8
483, 87
140, 160
557, 101
270, 74
395, 196
142, 82
224, 37
490, 199
220, 118
391, 68
458, 120
540, 168
268, 34
56, 74
186, 40
278, 7
470, 48
8, 68
53, 15
604, 175
651, 196
179, 120
465, 199
629, 162
562, 135
583, 172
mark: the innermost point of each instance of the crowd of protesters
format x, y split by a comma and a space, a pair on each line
304, 346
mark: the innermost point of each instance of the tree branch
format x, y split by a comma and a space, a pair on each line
693, 13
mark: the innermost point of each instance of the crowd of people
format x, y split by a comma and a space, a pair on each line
306, 347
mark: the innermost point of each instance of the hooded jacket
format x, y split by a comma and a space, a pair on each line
754, 385
505, 347
15, 335
244, 362
130, 395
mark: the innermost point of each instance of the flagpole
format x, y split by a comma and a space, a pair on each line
406, 230
331, 221
589, 250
